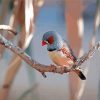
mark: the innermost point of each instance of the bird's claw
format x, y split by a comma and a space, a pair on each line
60, 70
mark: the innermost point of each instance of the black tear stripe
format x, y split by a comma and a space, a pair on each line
53, 49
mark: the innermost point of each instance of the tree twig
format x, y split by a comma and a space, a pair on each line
46, 68
8, 28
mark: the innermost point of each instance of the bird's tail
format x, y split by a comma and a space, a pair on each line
80, 74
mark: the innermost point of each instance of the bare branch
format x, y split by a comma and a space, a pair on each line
45, 68
8, 28
88, 55
27, 58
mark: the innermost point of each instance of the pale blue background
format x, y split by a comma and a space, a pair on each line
55, 87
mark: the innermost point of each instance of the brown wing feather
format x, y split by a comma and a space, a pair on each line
66, 51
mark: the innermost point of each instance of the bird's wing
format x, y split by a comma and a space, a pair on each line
71, 51
68, 52
66, 45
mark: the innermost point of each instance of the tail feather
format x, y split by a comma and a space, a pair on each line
80, 74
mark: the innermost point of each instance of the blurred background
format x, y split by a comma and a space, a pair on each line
31, 19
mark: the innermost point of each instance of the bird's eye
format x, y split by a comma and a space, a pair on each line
50, 40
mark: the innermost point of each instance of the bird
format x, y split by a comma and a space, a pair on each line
60, 52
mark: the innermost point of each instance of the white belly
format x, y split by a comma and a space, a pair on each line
60, 59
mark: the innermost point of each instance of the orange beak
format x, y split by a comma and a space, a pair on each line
43, 43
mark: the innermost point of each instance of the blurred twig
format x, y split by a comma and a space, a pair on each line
96, 24
75, 32
33, 88
3, 16
23, 15
8, 28
45, 68
4, 10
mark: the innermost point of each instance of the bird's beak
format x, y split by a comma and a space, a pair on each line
43, 43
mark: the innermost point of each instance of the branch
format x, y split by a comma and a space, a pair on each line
88, 55
8, 28
45, 68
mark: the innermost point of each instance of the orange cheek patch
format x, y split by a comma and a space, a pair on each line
51, 40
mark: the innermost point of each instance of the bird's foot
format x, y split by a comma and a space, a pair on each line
52, 65
60, 69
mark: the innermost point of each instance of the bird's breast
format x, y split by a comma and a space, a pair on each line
60, 59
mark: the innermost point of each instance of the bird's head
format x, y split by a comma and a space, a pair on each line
53, 41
